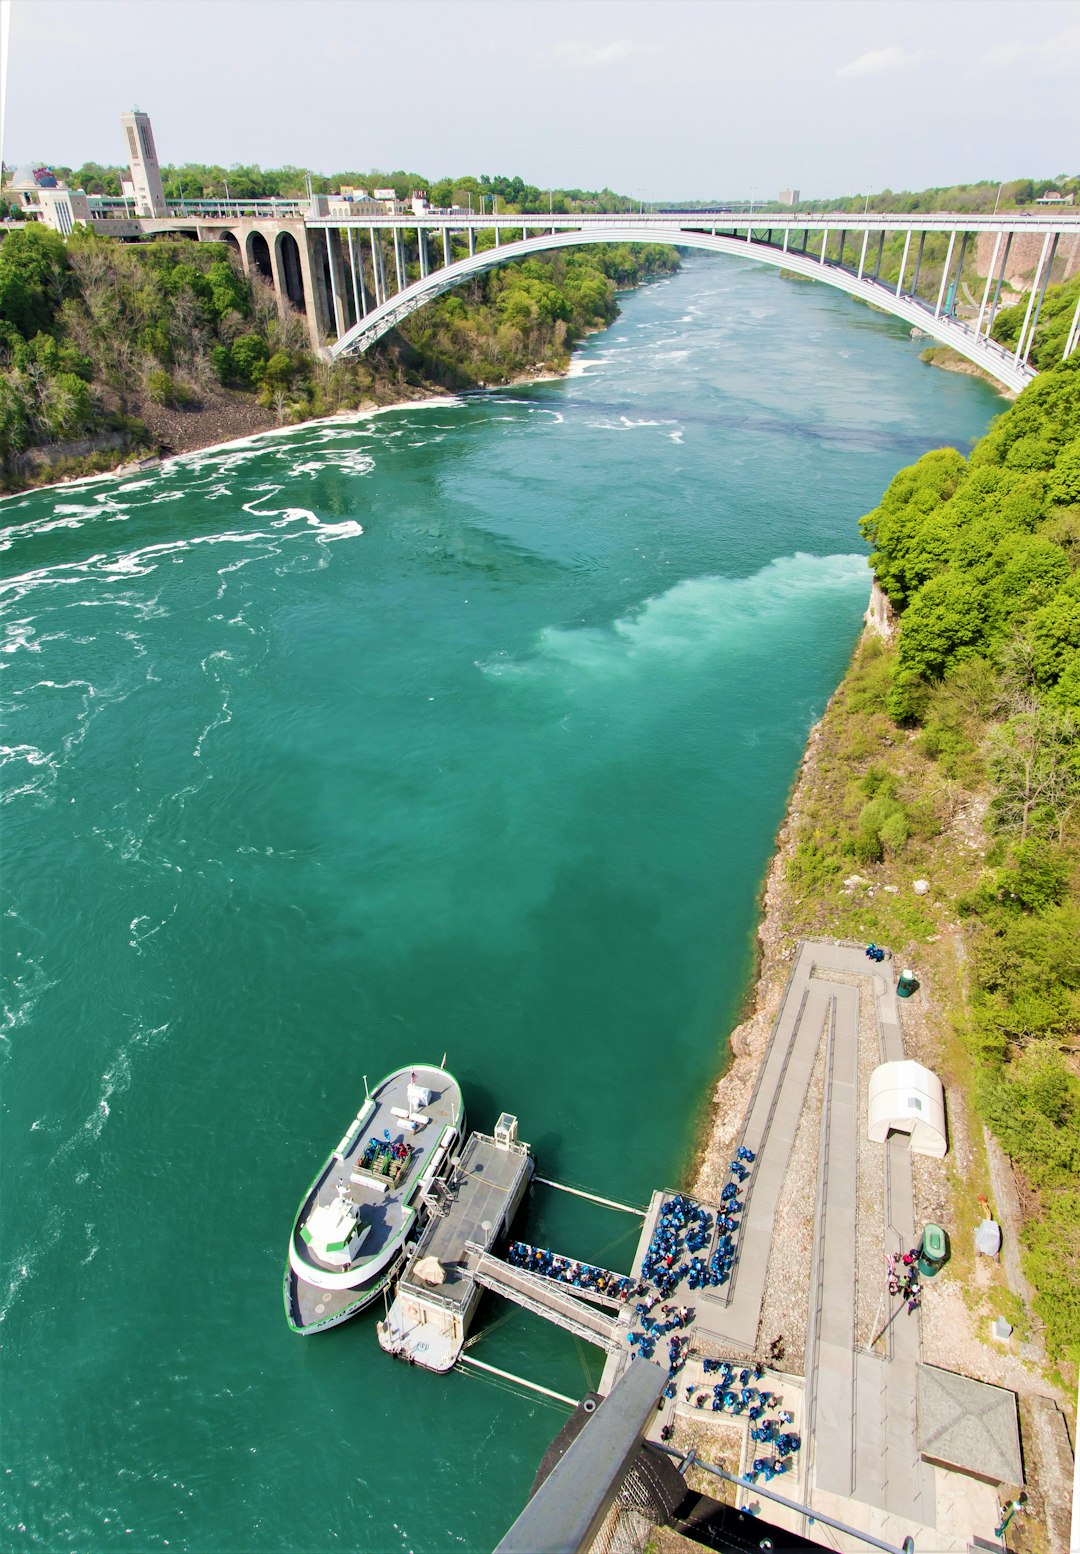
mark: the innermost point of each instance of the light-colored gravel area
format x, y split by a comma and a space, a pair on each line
871, 1288
786, 1304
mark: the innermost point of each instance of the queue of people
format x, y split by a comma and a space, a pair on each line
582, 1276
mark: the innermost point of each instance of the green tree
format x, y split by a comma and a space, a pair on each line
1034, 766
945, 621
33, 266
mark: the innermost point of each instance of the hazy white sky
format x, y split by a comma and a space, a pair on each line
685, 98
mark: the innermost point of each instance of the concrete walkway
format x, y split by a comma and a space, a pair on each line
862, 1405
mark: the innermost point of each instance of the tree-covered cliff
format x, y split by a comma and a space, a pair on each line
167, 344
952, 753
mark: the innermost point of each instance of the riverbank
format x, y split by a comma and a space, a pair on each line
975, 1179
244, 435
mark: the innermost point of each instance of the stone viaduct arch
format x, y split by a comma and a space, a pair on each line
257, 256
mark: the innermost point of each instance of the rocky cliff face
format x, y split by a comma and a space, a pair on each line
1024, 257
880, 615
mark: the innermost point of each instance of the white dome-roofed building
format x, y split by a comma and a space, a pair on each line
905, 1097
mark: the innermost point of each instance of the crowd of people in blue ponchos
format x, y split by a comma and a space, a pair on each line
675, 1254
683, 1231
582, 1276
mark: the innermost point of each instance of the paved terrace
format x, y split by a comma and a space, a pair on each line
860, 1428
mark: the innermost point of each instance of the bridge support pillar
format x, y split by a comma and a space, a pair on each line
998, 285
945, 275
472, 241
314, 266
862, 256
446, 247
375, 267
277, 279
918, 264
903, 263
359, 300
400, 264
339, 297
1038, 284
1073, 339
1042, 293
989, 282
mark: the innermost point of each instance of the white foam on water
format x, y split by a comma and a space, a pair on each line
223, 716
676, 436
23, 987
627, 424
142, 929
20, 635
28, 753
18, 1274
695, 619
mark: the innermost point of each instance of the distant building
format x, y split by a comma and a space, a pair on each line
1055, 197
142, 157
789, 197
63, 209
41, 196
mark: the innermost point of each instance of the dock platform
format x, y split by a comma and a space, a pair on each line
437, 1292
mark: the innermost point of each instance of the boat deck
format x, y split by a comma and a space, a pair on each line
385, 1212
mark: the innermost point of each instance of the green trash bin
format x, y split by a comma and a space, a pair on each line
933, 1250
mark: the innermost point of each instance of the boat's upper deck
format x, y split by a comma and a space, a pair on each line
386, 1205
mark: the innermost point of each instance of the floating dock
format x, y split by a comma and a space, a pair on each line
439, 1288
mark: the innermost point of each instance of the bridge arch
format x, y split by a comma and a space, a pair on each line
258, 256
291, 269
987, 354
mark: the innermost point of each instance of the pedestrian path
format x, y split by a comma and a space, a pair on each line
830, 1342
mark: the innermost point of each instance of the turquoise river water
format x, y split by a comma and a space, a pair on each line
464, 728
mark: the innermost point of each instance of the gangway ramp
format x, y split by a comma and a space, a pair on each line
544, 1298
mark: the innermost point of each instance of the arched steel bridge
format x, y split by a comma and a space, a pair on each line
841, 250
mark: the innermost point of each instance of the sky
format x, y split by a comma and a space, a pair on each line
662, 99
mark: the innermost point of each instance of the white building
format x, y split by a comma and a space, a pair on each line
63, 209
142, 157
